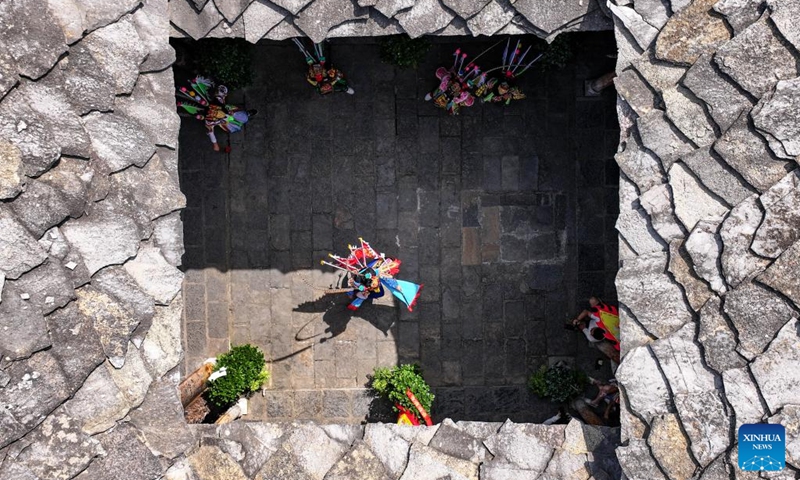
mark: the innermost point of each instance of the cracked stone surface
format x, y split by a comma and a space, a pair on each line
160, 347
118, 284
41, 373
680, 266
700, 409
688, 116
657, 202
58, 448
154, 34
145, 107
747, 153
776, 379
48, 287
643, 32
661, 137
785, 14
19, 251
757, 314
670, 447
775, 233
231, 10
261, 17
30, 132
59, 117
143, 201
636, 459
113, 322
118, 141
649, 396
756, 59
690, 33
40, 207
160, 419
196, 25
717, 338
782, 275
465, 8
789, 419
122, 38
657, 73
692, 202
635, 91
640, 165
493, 17
71, 331
635, 228
723, 99
739, 13
24, 319
716, 176
644, 286
705, 248
515, 445
777, 116
155, 275
126, 456
737, 231
742, 393
426, 16
37, 38
11, 174
102, 240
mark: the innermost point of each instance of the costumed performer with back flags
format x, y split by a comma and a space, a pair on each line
207, 102
370, 274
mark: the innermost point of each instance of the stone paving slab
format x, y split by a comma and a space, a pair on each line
505, 214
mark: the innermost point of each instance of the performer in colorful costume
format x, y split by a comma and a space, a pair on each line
322, 78
461, 84
370, 274
452, 93
207, 103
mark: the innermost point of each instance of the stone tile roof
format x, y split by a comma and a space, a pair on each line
710, 149
319, 19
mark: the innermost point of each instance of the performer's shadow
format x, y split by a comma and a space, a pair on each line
336, 316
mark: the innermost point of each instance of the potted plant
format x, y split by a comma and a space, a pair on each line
558, 383
245, 372
403, 51
214, 387
226, 60
404, 386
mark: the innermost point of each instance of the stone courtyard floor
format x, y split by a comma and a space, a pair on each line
506, 215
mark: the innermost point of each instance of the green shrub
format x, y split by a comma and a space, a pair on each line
391, 383
226, 60
246, 372
403, 51
559, 384
557, 54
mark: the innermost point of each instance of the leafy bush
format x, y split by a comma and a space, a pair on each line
246, 372
403, 51
391, 383
559, 384
226, 60
558, 53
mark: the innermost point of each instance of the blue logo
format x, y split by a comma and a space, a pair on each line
762, 446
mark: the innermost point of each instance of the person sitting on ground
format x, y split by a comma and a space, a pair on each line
607, 392
600, 322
